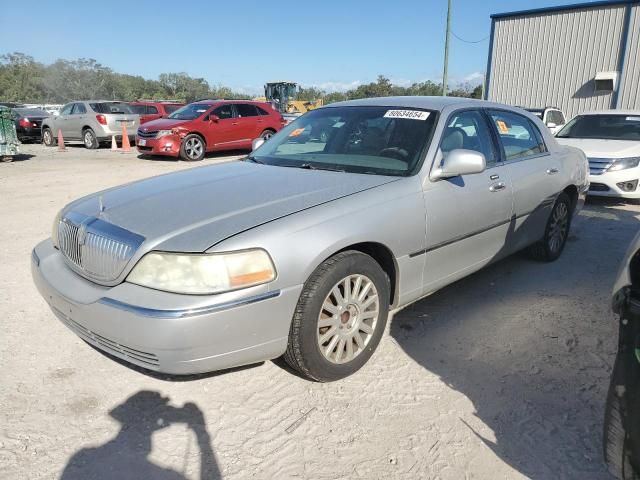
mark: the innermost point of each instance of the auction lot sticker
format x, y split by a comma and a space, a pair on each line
412, 114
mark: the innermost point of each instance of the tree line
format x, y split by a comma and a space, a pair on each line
23, 79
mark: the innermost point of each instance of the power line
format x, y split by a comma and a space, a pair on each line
469, 41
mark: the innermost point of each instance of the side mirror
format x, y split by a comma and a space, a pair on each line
214, 118
257, 143
551, 125
461, 162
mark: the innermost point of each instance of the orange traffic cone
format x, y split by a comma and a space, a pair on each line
126, 146
114, 145
61, 147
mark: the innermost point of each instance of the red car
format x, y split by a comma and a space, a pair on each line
154, 109
207, 126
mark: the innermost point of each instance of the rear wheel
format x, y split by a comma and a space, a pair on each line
89, 139
550, 247
192, 148
267, 134
340, 317
47, 137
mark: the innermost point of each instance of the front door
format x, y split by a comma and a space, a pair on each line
75, 122
62, 120
469, 216
222, 132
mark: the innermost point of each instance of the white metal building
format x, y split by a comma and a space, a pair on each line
577, 57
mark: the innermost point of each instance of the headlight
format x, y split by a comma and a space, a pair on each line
623, 164
203, 273
54, 229
164, 133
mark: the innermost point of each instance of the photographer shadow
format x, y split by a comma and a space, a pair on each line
127, 455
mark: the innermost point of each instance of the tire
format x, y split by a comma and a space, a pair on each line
332, 351
267, 134
556, 232
89, 139
617, 449
47, 137
192, 148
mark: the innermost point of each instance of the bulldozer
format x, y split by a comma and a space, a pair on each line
283, 97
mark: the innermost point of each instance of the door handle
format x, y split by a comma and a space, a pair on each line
494, 177
552, 171
497, 187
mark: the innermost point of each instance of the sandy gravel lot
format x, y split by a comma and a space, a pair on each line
500, 376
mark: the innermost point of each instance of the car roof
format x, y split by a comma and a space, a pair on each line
612, 112
431, 103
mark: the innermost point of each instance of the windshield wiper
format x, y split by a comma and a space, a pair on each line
308, 166
253, 159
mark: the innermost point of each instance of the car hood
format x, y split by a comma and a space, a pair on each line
163, 124
193, 210
600, 148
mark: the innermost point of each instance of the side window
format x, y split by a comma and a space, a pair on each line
66, 110
519, 137
246, 110
468, 130
151, 110
225, 111
261, 111
79, 109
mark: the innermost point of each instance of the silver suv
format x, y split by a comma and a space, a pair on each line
93, 122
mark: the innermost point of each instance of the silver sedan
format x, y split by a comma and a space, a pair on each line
350, 213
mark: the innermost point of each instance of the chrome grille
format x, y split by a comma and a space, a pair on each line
94, 248
143, 134
597, 166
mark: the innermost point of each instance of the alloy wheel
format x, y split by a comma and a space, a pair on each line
559, 227
348, 319
193, 148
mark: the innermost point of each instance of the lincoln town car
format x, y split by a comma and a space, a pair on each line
304, 249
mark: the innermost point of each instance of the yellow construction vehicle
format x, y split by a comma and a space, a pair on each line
283, 97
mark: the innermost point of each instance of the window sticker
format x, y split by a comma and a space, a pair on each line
411, 114
502, 127
632, 119
296, 132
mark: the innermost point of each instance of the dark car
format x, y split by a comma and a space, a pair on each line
622, 417
208, 125
29, 123
154, 109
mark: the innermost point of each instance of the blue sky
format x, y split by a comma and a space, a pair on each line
332, 44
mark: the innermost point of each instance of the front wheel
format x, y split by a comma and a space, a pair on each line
192, 148
340, 317
267, 134
550, 247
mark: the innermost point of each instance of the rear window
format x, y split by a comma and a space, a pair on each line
608, 127
31, 112
262, 111
139, 109
171, 108
115, 108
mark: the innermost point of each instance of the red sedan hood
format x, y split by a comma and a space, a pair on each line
162, 124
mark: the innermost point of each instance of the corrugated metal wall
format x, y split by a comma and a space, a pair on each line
630, 86
552, 58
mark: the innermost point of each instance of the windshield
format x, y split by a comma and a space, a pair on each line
378, 140
31, 112
190, 112
117, 108
607, 127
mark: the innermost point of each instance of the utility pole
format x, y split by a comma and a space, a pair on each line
446, 52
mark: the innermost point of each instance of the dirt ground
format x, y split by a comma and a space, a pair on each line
502, 375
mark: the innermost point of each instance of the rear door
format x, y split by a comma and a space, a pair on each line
469, 216
534, 172
249, 122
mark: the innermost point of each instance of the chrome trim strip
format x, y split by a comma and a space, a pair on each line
152, 312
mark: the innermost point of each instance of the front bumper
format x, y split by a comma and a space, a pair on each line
168, 145
164, 332
605, 185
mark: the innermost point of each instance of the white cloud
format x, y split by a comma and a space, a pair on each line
474, 77
335, 86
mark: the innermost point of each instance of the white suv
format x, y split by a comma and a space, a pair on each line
611, 141
552, 117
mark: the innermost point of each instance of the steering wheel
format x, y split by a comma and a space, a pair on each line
394, 152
